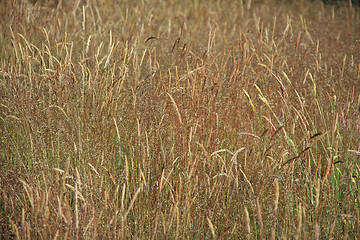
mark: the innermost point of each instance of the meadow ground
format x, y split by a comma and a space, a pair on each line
179, 119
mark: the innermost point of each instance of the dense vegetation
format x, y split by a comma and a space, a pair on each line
179, 119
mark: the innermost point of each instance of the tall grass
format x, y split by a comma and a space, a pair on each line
171, 120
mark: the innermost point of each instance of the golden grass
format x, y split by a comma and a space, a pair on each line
172, 120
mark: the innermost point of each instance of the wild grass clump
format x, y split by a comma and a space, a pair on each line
190, 119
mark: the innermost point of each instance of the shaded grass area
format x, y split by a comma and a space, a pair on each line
191, 119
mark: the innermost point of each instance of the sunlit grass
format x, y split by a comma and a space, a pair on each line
172, 120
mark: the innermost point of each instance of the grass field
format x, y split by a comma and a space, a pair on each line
179, 120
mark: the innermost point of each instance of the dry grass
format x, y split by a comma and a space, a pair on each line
179, 119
